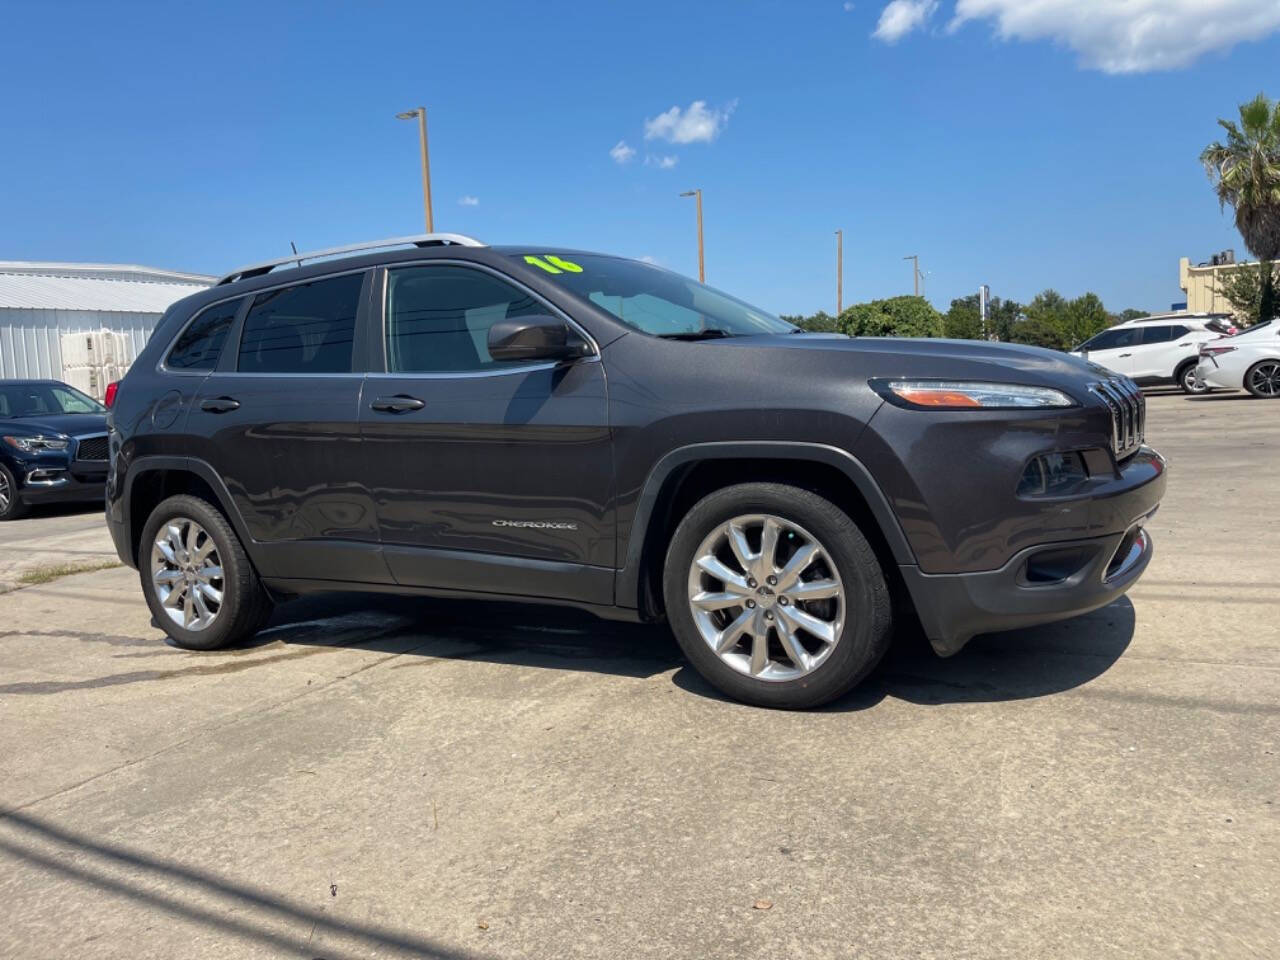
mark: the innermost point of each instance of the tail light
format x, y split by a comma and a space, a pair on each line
1208, 351
109, 399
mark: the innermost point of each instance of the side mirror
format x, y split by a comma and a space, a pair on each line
535, 338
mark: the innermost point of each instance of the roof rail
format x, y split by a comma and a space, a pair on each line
420, 240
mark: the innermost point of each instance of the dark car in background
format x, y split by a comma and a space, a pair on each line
53, 445
459, 420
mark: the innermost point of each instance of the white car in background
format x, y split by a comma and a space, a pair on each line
1250, 360
1163, 348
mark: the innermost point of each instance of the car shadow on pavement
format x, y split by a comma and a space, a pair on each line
1018, 665
1021, 664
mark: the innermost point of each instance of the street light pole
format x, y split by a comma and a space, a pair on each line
421, 114
915, 271
839, 272
702, 269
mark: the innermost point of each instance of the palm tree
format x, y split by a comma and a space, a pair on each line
1245, 172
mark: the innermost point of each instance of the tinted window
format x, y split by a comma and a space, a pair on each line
438, 318
1110, 339
1179, 332
1157, 335
307, 328
201, 343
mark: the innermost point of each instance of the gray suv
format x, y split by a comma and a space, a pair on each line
438, 417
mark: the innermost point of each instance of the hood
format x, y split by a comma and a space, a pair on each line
923, 357
66, 424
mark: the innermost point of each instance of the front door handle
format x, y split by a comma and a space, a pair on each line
1123, 355
397, 404
220, 405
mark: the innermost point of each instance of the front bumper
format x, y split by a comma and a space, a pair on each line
44, 482
1048, 581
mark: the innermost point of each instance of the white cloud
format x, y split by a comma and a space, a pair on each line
468, 201
648, 259
694, 125
902, 16
1127, 36
847, 6
622, 152
662, 162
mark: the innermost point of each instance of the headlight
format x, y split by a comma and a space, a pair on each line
966, 395
36, 444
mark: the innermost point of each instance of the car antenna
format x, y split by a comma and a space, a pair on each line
294, 247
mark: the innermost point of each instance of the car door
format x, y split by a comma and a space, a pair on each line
1114, 348
278, 423
1150, 356
488, 476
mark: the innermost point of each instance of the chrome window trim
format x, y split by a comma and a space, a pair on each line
467, 374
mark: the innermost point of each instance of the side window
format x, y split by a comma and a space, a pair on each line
1103, 341
200, 344
74, 402
306, 328
1152, 335
1178, 331
438, 318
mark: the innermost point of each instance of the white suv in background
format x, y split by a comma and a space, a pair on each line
1158, 349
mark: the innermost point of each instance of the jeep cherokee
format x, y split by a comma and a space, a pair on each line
435, 416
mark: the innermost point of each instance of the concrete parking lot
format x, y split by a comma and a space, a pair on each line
387, 778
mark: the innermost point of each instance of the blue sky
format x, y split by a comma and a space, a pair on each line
1023, 154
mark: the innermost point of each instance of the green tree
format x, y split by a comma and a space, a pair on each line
1002, 316
895, 317
1245, 172
1244, 288
964, 320
820, 322
1046, 322
1130, 314
1083, 317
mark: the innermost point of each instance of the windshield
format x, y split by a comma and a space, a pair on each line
653, 300
44, 399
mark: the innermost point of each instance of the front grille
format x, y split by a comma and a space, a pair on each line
92, 448
1128, 414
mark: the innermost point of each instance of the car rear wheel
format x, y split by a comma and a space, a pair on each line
11, 505
198, 581
775, 595
1263, 379
1186, 378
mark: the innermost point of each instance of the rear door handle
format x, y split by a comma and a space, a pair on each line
398, 404
220, 405
1123, 355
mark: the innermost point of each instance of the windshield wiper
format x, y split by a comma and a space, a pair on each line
710, 333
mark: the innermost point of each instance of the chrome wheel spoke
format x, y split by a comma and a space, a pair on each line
732, 580
209, 593
210, 573
821, 629
813, 590
752, 620
717, 601
798, 564
727, 639
167, 576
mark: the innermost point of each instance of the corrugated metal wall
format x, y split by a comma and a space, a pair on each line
30, 339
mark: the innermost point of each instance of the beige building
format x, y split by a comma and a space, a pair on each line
1201, 284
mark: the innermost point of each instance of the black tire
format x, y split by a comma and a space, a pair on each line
15, 508
868, 622
1249, 377
245, 604
1186, 373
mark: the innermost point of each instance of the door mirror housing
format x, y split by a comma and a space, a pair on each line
537, 337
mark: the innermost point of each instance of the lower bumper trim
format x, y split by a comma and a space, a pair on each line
954, 608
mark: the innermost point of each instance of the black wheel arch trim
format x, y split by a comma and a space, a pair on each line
628, 586
155, 463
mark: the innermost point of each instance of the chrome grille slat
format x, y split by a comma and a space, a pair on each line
1128, 408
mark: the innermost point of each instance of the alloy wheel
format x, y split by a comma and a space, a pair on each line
1190, 383
186, 572
766, 597
1264, 379
5, 493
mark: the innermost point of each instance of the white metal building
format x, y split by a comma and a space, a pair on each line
41, 303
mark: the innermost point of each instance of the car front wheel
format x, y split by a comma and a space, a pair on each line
198, 581
775, 595
11, 505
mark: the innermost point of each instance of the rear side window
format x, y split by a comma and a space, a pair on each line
1157, 334
307, 328
200, 345
1179, 332
438, 318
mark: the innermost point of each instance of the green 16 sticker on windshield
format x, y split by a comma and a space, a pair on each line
553, 264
